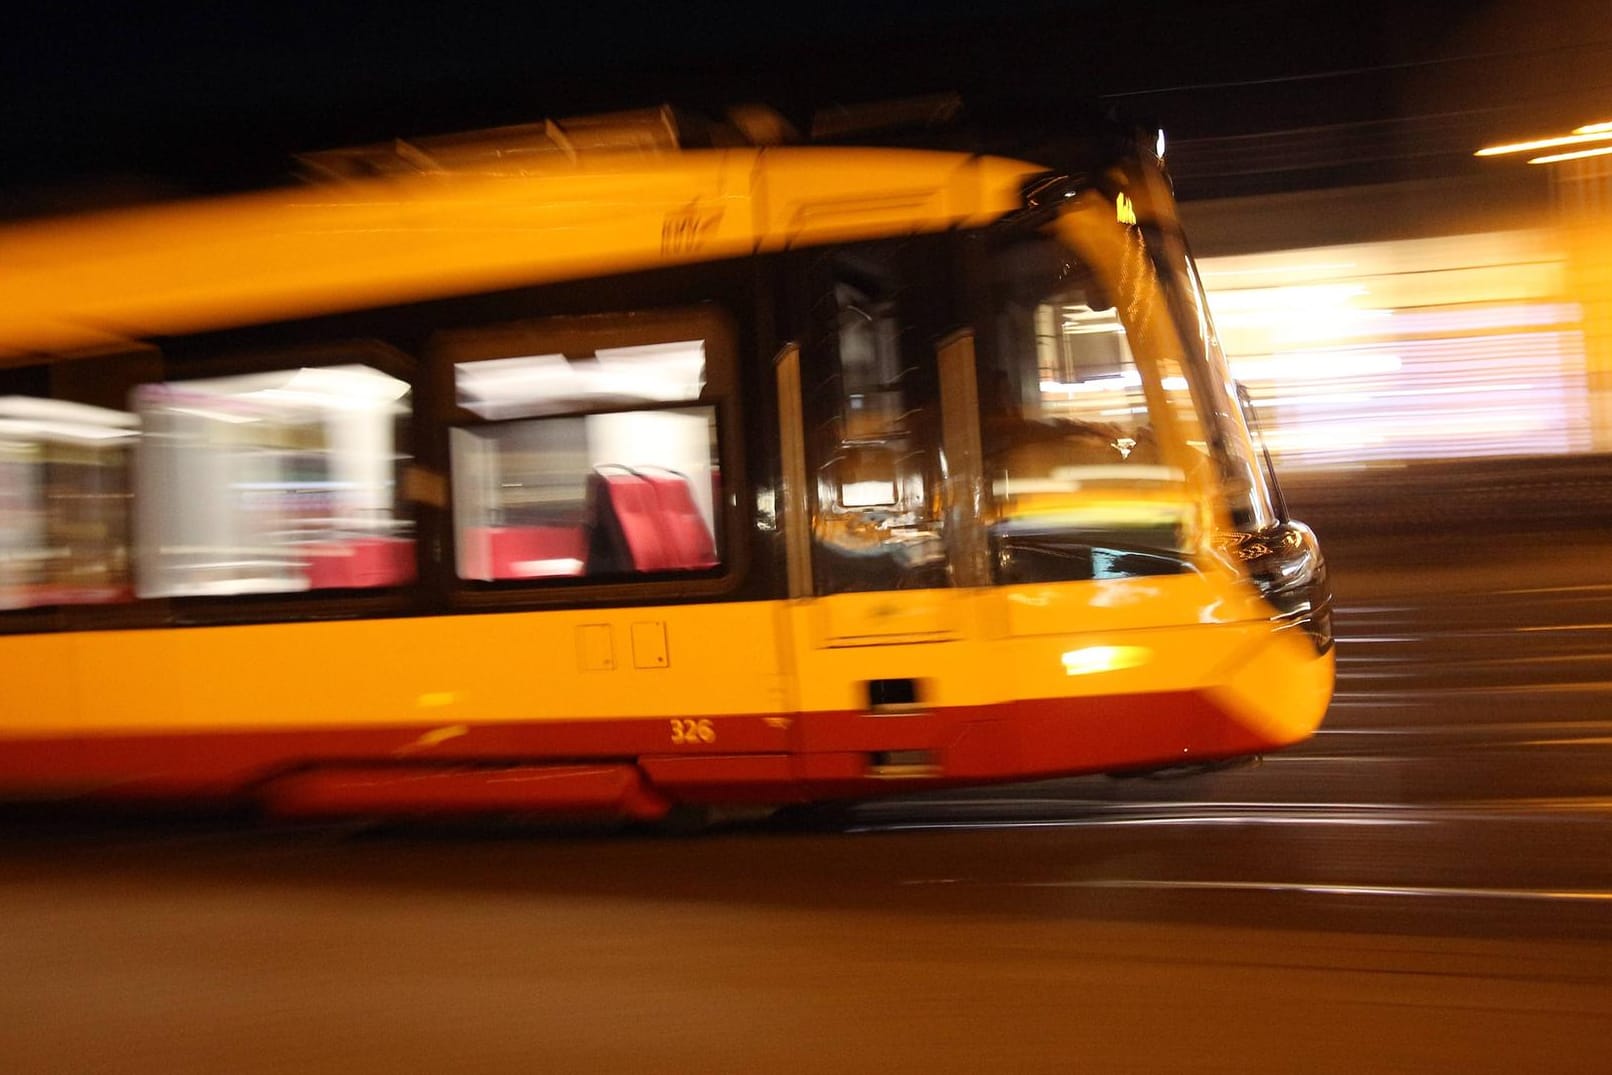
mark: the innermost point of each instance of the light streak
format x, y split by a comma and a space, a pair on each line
1329, 889
1546, 143
1554, 158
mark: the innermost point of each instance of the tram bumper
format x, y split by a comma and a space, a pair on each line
1269, 692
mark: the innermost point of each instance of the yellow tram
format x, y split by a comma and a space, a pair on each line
625, 462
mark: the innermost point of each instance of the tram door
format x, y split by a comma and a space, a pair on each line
880, 443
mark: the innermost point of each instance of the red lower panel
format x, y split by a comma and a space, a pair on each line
223, 763
639, 764
405, 790
726, 778
1048, 737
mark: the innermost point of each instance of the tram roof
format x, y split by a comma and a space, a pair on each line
85, 283
482, 210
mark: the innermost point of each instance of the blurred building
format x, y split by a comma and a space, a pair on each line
1425, 319
1385, 294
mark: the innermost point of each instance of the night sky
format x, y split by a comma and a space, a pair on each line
218, 96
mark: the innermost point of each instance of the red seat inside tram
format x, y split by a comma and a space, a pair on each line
683, 527
523, 552
649, 521
359, 563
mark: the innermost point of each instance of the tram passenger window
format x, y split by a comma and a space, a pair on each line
602, 494
64, 502
597, 451
1080, 485
272, 482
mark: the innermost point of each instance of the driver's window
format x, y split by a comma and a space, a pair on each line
1081, 482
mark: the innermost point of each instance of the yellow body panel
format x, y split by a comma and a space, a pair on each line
40, 682
709, 660
715, 660
1178, 632
1277, 686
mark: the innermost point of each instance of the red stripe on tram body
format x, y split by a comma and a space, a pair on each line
637, 765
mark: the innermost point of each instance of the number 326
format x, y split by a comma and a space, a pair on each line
693, 731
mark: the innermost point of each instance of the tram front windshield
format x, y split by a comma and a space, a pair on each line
1109, 447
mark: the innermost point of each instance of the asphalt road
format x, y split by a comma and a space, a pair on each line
1426, 886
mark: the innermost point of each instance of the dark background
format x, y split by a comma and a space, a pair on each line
125, 104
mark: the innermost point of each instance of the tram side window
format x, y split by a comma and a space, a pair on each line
596, 453
271, 482
64, 502
877, 514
